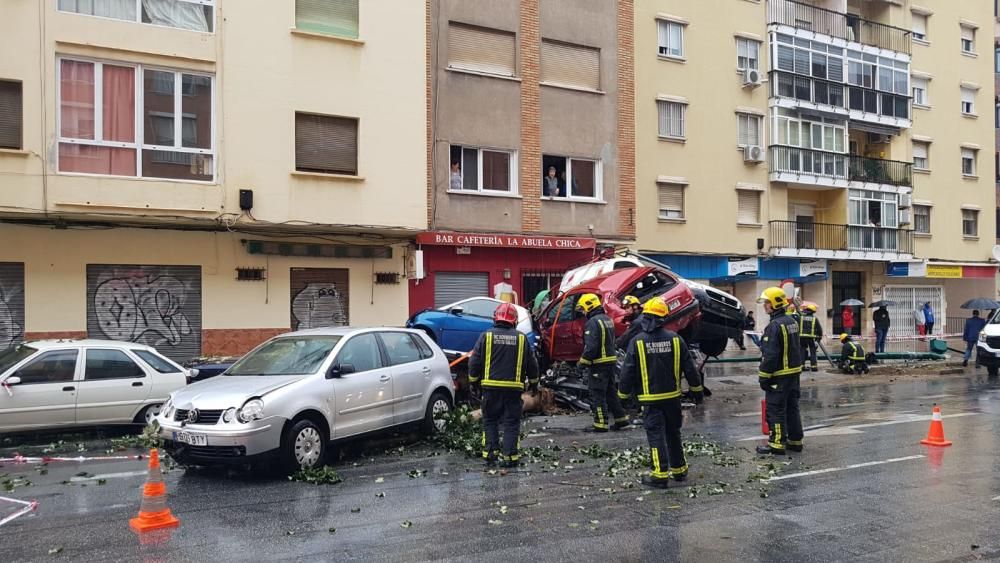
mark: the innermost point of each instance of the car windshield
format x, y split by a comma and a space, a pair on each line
11, 356
299, 355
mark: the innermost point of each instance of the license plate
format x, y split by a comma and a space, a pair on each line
189, 438
675, 304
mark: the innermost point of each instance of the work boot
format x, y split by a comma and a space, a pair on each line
594, 430
768, 450
491, 460
965, 363
815, 368
655, 483
679, 477
621, 425
793, 447
510, 464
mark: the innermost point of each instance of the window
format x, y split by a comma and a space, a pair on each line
156, 362
970, 223
670, 37
571, 177
479, 308
479, 49
747, 54
566, 309
100, 104
748, 207
671, 117
570, 65
326, 144
400, 347
968, 40
483, 170
809, 58
921, 155
110, 364
748, 130
671, 198
10, 114
922, 219
329, 17
362, 352
195, 15
919, 87
968, 101
425, 351
969, 162
918, 26
50, 367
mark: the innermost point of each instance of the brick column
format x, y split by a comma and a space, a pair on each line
626, 118
531, 143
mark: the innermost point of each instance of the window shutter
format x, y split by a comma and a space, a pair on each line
335, 17
10, 114
326, 144
481, 50
968, 153
968, 95
919, 25
919, 150
671, 201
571, 65
968, 33
748, 207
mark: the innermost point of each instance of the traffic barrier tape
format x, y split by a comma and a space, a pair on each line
28, 506
924, 337
46, 459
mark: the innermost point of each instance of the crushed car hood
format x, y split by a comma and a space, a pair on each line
224, 391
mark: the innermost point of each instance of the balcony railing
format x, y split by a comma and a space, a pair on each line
808, 161
847, 238
836, 24
839, 95
878, 171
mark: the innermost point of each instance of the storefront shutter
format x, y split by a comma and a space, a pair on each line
571, 65
908, 299
748, 212
320, 297
159, 306
11, 304
481, 50
450, 287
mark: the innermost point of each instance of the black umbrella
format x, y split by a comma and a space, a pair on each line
883, 303
981, 303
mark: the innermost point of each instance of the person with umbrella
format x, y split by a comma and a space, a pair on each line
847, 314
882, 323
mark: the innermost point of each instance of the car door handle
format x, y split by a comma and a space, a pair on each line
69, 388
384, 379
137, 384
426, 369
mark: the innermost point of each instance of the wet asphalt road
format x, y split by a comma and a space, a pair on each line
908, 503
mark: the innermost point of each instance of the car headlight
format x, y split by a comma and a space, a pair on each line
167, 410
229, 415
252, 410
982, 337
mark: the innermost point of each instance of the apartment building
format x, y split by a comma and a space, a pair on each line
199, 175
530, 144
833, 144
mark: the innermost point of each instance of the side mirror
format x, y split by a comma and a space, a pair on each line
456, 310
339, 370
192, 373
14, 380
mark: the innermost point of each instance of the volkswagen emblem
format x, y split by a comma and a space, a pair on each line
192, 415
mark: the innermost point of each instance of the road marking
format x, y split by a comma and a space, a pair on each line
109, 476
855, 428
845, 468
996, 498
942, 396
753, 413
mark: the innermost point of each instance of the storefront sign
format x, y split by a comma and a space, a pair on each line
808, 268
507, 241
942, 271
953, 271
742, 266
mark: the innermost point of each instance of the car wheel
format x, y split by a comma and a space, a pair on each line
439, 404
147, 414
992, 371
713, 348
303, 445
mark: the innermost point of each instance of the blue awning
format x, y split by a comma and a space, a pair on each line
735, 269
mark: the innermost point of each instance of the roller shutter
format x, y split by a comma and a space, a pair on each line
320, 297
450, 287
571, 65
480, 49
11, 304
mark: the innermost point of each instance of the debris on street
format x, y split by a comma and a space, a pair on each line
325, 475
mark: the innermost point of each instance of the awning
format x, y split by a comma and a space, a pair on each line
733, 269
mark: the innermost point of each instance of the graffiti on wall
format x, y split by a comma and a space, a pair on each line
159, 306
11, 304
319, 298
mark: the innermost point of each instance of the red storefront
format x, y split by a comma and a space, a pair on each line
461, 265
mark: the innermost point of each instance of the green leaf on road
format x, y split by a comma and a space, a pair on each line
406, 524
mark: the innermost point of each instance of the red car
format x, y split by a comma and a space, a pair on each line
562, 331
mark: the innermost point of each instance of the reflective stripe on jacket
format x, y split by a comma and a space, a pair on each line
781, 348
852, 351
503, 359
653, 367
810, 328
598, 339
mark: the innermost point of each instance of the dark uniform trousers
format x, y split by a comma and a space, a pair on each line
604, 395
662, 421
502, 407
783, 417
809, 351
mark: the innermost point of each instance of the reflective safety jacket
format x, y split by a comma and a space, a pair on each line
653, 366
598, 339
502, 359
809, 328
852, 351
780, 348
626, 338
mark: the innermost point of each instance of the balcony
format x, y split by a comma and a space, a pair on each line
878, 171
793, 239
835, 24
857, 103
808, 167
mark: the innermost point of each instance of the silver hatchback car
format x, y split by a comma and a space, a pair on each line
293, 395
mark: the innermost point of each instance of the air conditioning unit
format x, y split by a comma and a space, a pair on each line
905, 200
905, 216
752, 78
753, 153
879, 139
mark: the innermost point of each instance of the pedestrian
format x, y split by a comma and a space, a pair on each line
598, 364
751, 327
780, 369
810, 332
882, 323
973, 326
503, 364
918, 321
651, 373
847, 318
852, 356
929, 318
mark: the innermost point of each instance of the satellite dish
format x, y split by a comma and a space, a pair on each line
996, 252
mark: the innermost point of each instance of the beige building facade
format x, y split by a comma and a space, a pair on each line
200, 175
837, 145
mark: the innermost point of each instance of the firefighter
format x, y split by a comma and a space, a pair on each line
598, 363
633, 307
652, 372
810, 333
852, 356
503, 363
780, 368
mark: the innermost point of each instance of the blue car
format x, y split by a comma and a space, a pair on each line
456, 327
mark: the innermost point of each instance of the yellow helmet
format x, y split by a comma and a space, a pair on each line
810, 307
844, 336
775, 296
588, 302
656, 307
630, 300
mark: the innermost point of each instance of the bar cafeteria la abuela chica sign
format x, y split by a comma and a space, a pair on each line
506, 241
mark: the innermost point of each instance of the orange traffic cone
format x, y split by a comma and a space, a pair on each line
153, 512
935, 436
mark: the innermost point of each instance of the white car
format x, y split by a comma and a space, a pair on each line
62, 383
294, 394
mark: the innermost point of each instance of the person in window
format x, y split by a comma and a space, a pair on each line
973, 326
552, 186
456, 175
